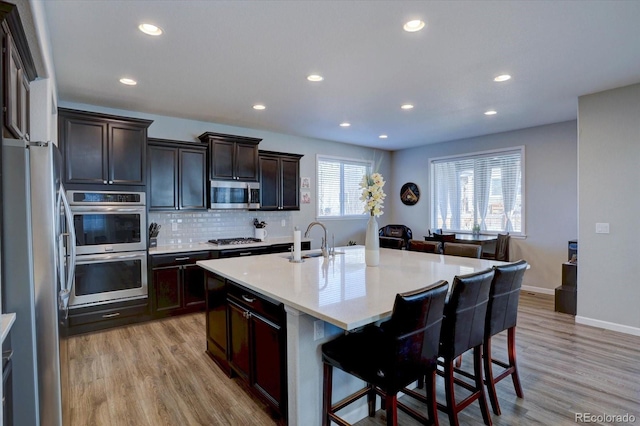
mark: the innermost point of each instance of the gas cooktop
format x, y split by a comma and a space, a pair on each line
234, 241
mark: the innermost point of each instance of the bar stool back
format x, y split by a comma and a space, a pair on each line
390, 356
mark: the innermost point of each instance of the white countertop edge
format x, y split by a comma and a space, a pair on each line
7, 323
206, 246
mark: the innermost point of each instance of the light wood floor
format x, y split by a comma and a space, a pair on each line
157, 374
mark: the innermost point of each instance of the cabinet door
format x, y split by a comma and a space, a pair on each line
269, 183
167, 288
163, 178
193, 286
23, 102
193, 179
13, 76
85, 150
267, 345
239, 356
222, 160
246, 162
290, 187
127, 147
216, 319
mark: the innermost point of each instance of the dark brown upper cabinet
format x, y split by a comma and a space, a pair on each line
18, 70
279, 181
101, 149
177, 175
232, 157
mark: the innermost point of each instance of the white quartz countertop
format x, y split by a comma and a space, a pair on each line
342, 290
203, 246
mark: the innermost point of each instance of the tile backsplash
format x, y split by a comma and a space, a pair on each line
196, 227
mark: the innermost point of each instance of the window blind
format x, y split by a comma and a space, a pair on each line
339, 186
482, 190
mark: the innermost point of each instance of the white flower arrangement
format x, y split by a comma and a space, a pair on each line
372, 193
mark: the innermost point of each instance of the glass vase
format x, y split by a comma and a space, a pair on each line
372, 243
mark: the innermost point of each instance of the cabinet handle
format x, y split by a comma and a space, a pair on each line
247, 253
110, 182
104, 181
248, 299
246, 314
181, 258
113, 315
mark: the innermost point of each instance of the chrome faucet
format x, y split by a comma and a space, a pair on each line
323, 247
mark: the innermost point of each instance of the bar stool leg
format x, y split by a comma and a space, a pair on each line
511, 342
432, 404
488, 373
371, 400
477, 369
449, 393
392, 409
327, 384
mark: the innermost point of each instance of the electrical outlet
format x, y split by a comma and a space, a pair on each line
174, 226
602, 228
283, 223
318, 329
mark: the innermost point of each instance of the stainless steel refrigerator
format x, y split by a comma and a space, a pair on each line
38, 257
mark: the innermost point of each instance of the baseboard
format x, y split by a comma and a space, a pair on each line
635, 331
541, 290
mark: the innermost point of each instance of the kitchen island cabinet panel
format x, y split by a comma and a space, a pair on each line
269, 352
239, 339
216, 321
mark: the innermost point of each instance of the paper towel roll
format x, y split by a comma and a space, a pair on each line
297, 246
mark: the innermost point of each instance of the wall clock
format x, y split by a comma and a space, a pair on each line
409, 193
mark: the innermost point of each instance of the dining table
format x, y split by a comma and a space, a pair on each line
328, 296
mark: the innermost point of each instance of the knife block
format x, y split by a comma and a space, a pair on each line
153, 242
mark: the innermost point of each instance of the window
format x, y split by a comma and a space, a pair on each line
339, 186
484, 189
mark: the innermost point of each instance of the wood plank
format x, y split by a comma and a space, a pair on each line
157, 373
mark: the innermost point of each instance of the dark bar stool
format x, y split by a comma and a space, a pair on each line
502, 313
390, 357
463, 329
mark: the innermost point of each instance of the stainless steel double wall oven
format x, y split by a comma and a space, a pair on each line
111, 244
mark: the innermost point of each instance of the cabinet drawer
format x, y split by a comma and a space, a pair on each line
109, 313
177, 259
249, 251
271, 310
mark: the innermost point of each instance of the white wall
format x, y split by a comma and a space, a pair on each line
189, 130
550, 185
609, 167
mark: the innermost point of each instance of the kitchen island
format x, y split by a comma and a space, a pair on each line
323, 297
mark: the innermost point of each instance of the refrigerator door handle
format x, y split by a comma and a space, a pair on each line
65, 292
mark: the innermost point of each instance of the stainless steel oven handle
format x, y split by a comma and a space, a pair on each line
102, 257
105, 209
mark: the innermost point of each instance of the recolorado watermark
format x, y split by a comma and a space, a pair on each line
604, 418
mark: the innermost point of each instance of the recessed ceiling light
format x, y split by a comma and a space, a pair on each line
383, 136
150, 29
407, 106
315, 77
128, 81
259, 106
413, 26
503, 77
491, 112
345, 124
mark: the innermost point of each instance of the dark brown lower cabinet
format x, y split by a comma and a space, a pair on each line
246, 337
177, 283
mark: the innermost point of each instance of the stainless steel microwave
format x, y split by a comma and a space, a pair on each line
234, 195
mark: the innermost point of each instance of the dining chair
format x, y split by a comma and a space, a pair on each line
502, 314
390, 356
425, 246
502, 249
466, 250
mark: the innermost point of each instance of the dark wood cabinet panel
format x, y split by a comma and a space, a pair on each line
16, 90
163, 177
85, 150
216, 320
167, 285
268, 355
177, 175
193, 179
102, 149
127, 154
269, 183
279, 181
232, 157
239, 339
178, 284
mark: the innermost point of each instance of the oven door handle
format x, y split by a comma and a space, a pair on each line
102, 257
94, 209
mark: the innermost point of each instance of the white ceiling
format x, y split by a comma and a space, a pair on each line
218, 58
